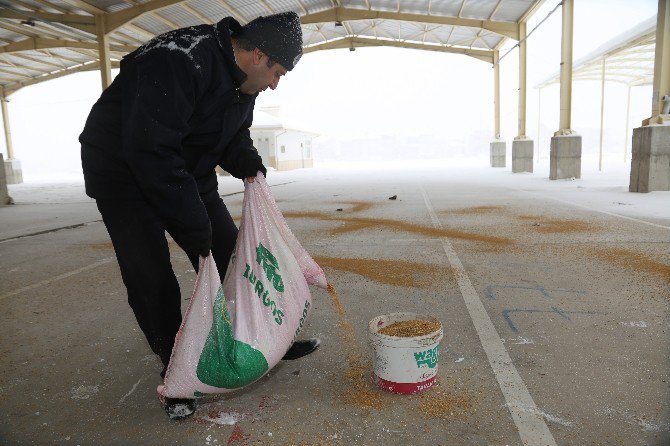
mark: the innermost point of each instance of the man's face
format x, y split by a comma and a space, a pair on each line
260, 76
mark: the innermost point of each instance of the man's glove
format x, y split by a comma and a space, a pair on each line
251, 166
205, 248
199, 242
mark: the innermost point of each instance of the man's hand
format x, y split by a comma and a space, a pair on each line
251, 166
251, 179
199, 243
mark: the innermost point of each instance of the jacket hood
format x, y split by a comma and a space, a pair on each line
225, 29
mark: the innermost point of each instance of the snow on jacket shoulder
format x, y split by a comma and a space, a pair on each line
171, 115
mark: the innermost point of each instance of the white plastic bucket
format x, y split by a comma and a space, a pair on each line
404, 364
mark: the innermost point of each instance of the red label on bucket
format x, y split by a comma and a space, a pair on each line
405, 388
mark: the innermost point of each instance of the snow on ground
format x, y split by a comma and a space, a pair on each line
603, 191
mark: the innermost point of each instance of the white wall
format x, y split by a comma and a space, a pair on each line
293, 142
265, 149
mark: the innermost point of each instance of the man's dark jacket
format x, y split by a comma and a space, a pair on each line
173, 113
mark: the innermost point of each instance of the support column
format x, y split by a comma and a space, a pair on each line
565, 159
12, 167
522, 146
625, 145
103, 51
4, 193
650, 164
498, 149
539, 123
602, 114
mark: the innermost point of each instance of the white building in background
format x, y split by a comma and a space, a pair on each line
281, 147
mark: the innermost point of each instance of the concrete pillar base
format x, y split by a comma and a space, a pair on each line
498, 153
565, 157
650, 163
522, 155
13, 172
4, 193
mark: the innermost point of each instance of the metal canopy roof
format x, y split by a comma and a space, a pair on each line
46, 39
628, 58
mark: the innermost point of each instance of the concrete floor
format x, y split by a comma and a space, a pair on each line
578, 299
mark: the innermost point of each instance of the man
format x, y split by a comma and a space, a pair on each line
181, 105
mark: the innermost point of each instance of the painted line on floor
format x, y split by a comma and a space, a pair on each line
531, 425
613, 214
57, 278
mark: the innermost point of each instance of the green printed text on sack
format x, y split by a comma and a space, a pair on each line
262, 293
303, 317
271, 267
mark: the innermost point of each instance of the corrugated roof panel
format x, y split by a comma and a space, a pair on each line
130, 36
357, 26
317, 5
462, 36
479, 42
442, 32
152, 24
6, 34
105, 4
321, 34
446, 7
366, 32
16, 59
249, 9
390, 27
33, 72
35, 5
20, 71
431, 38
332, 32
70, 54
284, 5
253, 10
126, 37
434, 37
70, 9
38, 55
384, 5
19, 65
415, 6
180, 16
479, 9
59, 30
311, 36
492, 40
119, 7
240, 3
412, 30
9, 78
356, 4
67, 6
386, 29
213, 10
512, 10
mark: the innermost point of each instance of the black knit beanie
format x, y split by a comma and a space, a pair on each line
278, 35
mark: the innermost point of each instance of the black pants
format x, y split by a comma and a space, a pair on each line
138, 236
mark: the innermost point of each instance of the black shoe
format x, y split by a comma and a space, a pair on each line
180, 408
301, 348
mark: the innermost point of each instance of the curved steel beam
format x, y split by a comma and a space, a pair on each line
357, 42
16, 86
342, 14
